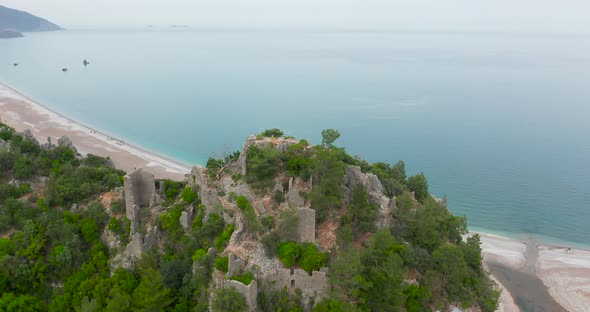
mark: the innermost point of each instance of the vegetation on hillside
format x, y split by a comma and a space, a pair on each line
54, 255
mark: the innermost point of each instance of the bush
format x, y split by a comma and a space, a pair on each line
419, 185
199, 254
272, 133
118, 206
171, 189
245, 278
289, 253
221, 263
311, 259
188, 195
228, 299
223, 239
263, 165
242, 202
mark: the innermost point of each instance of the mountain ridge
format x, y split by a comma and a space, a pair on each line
21, 21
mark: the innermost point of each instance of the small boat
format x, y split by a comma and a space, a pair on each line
15, 64
85, 63
64, 70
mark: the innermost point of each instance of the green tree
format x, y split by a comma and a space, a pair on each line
10, 302
289, 253
151, 294
119, 300
188, 195
228, 299
272, 133
363, 212
419, 185
329, 136
311, 259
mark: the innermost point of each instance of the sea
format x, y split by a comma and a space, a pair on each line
498, 122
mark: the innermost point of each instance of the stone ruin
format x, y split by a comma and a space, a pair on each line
250, 292
306, 225
314, 285
140, 193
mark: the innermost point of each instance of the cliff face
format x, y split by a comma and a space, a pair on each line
20, 21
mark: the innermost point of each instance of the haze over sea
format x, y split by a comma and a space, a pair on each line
498, 122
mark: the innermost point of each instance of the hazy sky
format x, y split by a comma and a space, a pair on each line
471, 15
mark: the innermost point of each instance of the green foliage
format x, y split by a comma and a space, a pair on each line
228, 299
417, 298
221, 263
151, 294
393, 178
242, 202
251, 222
331, 305
418, 184
328, 171
278, 300
268, 222
169, 220
216, 166
289, 253
172, 189
363, 213
188, 195
311, 259
10, 302
199, 254
118, 206
223, 239
272, 133
329, 136
245, 278
263, 165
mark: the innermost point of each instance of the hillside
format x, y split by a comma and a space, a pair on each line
21, 21
281, 225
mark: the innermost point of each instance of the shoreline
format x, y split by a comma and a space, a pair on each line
21, 112
562, 271
565, 273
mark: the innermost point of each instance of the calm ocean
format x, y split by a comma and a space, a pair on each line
500, 123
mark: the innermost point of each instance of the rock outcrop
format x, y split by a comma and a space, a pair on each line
353, 176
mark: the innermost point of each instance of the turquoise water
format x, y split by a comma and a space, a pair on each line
498, 122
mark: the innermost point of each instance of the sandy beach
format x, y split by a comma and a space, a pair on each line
21, 113
564, 272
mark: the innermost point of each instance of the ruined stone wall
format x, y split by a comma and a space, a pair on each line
140, 188
315, 285
306, 225
250, 292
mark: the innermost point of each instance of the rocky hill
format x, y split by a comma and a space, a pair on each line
20, 21
281, 225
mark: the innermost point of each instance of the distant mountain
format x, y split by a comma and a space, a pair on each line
6, 34
20, 21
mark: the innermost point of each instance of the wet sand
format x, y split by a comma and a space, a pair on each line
539, 277
22, 113
526, 289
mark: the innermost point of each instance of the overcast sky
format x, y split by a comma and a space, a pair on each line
462, 15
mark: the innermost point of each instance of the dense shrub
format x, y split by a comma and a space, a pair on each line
188, 195
289, 253
272, 133
245, 278
221, 263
